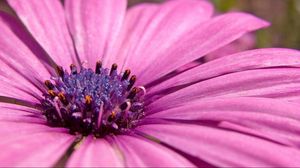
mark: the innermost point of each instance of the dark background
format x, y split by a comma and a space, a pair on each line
283, 14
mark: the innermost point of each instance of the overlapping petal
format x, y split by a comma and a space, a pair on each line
209, 36
43, 149
149, 29
279, 83
95, 153
223, 148
274, 119
143, 153
248, 60
45, 20
95, 26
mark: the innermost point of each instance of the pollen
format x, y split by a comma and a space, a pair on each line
98, 102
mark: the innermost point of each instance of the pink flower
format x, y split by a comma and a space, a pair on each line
238, 110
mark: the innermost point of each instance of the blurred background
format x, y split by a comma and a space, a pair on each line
283, 14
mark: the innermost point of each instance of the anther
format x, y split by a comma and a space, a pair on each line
98, 67
131, 82
88, 102
113, 68
112, 116
73, 69
60, 71
125, 106
132, 93
51, 93
88, 99
126, 74
62, 98
49, 85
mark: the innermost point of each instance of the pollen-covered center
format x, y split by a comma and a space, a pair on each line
96, 102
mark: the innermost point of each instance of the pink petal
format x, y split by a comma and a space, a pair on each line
95, 26
95, 153
11, 112
19, 65
144, 153
279, 83
150, 28
11, 88
269, 118
246, 42
252, 59
223, 148
37, 149
45, 20
208, 37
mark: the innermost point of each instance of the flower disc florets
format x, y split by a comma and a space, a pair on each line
98, 102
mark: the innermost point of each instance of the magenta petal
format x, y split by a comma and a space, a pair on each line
95, 153
15, 113
274, 119
208, 37
252, 59
144, 153
223, 148
279, 83
95, 26
152, 28
246, 42
21, 69
31, 145
10, 88
45, 20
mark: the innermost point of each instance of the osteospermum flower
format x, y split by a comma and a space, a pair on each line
93, 84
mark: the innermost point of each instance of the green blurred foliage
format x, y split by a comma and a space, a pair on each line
284, 16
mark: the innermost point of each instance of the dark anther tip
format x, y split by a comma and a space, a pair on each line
131, 82
62, 98
60, 71
113, 68
51, 93
132, 93
123, 106
126, 74
49, 85
98, 67
73, 69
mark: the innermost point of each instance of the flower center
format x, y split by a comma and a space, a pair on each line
96, 102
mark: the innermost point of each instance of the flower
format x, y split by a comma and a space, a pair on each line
238, 110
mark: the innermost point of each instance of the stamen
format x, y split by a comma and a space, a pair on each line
73, 69
125, 106
98, 67
49, 84
131, 82
132, 93
112, 116
62, 98
51, 93
60, 71
100, 113
126, 74
113, 68
88, 102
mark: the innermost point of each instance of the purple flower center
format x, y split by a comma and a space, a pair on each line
96, 102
